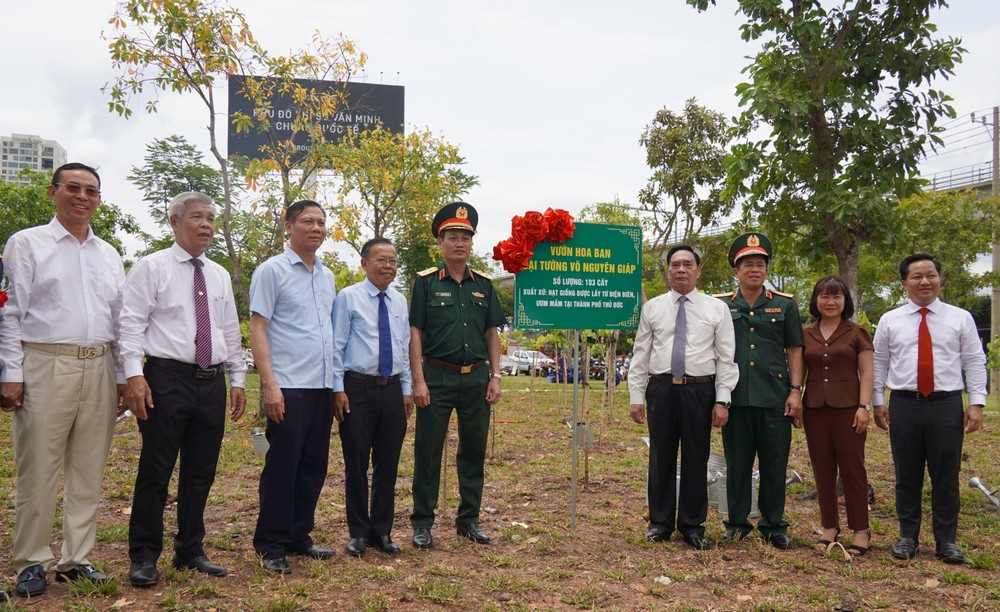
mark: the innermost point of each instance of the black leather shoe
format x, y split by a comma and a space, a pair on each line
949, 553
905, 549
698, 542
277, 566
422, 538
384, 543
202, 564
314, 552
31, 581
474, 532
779, 540
143, 574
657, 534
355, 547
735, 534
86, 571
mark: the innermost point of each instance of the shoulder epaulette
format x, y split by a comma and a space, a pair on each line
783, 294
427, 272
483, 274
727, 294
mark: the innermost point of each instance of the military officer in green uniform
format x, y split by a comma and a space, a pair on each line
767, 400
454, 314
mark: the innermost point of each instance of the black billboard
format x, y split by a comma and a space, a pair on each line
366, 105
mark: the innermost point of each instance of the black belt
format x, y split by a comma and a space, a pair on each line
683, 380
187, 369
461, 369
936, 395
368, 378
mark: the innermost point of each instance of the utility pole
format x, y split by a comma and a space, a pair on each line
995, 301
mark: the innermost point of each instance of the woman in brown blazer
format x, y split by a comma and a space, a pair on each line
837, 401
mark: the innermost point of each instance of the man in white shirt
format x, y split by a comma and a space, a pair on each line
922, 350
59, 378
684, 349
179, 312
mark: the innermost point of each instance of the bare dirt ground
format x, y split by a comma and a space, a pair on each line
537, 560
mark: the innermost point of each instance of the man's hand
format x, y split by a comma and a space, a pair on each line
11, 396
408, 405
720, 414
881, 416
237, 402
861, 419
274, 401
138, 397
421, 394
121, 400
493, 391
793, 407
973, 418
341, 406
637, 412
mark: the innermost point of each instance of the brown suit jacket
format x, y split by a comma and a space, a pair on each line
832, 378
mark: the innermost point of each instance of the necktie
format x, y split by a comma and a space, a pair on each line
677, 367
203, 322
925, 357
384, 338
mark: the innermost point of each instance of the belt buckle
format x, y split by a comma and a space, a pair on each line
677, 380
205, 373
465, 369
89, 352
381, 380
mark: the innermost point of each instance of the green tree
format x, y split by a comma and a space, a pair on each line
844, 97
171, 166
392, 185
686, 153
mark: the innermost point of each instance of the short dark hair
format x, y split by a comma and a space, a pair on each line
828, 285
904, 266
366, 248
295, 209
683, 247
75, 166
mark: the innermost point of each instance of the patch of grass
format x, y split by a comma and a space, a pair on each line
112, 533
223, 542
584, 598
440, 592
502, 560
172, 602
961, 578
81, 587
508, 583
981, 560
373, 602
205, 590
445, 571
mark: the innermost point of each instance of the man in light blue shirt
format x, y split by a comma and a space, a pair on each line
291, 334
372, 388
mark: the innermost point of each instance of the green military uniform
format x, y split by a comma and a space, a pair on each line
757, 425
453, 317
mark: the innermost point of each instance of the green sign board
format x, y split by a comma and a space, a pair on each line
591, 281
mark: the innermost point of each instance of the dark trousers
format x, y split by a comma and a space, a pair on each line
374, 428
767, 434
927, 433
189, 418
466, 394
834, 445
294, 472
678, 414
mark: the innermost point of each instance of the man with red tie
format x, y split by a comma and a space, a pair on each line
179, 336
922, 350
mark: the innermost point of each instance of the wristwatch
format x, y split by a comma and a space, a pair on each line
796, 387
725, 405
496, 375
867, 407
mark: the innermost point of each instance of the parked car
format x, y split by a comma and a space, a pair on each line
508, 366
532, 362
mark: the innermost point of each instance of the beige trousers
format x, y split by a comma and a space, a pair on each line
66, 421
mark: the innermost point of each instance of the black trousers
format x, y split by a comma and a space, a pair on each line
294, 472
927, 433
679, 414
373, 429
189, 419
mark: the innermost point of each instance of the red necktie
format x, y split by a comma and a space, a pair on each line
925, 357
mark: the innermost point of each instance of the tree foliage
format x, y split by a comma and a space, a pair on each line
171, 166
844, 95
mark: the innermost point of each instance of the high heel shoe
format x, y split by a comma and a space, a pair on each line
858, 551
826, 543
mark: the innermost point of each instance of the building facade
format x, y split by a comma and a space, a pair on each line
19, 151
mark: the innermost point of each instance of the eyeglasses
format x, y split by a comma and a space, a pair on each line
75, 189
385, 261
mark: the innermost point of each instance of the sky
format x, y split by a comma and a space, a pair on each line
546, 100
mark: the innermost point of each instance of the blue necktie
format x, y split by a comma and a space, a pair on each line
384, 338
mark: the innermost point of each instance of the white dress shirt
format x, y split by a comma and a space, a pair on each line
710, 340
61, 291
158, 316
957, 349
